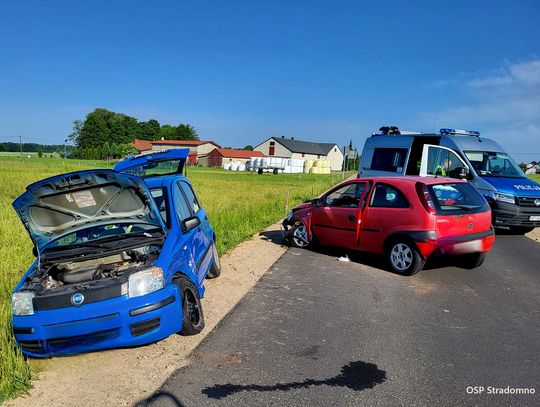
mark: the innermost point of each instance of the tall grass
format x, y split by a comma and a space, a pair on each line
239, 204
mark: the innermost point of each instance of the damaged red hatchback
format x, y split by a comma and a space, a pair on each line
407, 219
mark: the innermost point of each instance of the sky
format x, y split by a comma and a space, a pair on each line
242, 71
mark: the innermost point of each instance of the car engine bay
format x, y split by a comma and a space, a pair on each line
79, 272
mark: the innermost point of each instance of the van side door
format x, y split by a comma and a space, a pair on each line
442, 161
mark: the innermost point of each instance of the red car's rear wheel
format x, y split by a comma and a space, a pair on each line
405, 258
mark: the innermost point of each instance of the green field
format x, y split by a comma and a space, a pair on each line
239, 204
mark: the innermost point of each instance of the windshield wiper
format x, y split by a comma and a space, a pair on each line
464, 207
99, 242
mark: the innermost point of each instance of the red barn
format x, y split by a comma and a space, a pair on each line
219, 156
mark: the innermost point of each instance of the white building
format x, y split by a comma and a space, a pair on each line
306, 150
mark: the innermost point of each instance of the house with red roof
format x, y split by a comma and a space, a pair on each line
220, 156
198, 148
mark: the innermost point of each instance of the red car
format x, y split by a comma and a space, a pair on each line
407, 219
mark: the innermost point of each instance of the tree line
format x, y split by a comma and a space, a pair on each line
107, 134
33, 147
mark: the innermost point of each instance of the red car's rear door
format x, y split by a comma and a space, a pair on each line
335, 222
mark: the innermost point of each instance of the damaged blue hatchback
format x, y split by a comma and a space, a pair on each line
121, 258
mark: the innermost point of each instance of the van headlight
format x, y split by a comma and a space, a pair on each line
504, 197
21, 303
145, 282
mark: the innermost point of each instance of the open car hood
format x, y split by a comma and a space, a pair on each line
147, 165
56, 206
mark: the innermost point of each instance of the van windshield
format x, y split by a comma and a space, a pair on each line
494, 164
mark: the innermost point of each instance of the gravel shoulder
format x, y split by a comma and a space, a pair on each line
122, 376
534, 235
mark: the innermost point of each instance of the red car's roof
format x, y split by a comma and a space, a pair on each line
402, 179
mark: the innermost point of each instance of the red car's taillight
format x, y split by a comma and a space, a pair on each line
425, 198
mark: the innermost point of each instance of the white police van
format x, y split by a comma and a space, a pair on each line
514, 198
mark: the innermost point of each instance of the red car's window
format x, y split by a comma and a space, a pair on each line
346, 197
386, 196
455, 198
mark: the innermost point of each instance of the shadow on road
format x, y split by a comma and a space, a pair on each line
356, 376
161, 398
373, 260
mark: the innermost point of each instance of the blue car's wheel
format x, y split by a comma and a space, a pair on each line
192, 313
215, 268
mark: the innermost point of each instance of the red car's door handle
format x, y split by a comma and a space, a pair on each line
352, 218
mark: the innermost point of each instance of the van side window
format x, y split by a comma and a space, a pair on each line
386, 196
388, 159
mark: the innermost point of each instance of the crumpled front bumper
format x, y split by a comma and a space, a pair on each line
113, 323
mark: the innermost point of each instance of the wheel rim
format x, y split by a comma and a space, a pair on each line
191, 307
217, 261
300, 236
401, 257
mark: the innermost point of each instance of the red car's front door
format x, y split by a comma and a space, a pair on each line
336, 221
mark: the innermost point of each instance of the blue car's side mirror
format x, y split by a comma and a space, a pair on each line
190, 224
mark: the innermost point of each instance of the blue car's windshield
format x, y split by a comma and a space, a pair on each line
100, 233
494, 164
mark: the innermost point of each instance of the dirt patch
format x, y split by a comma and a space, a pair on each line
534, 235
123, 376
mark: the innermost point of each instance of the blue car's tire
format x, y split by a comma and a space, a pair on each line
215, 268
192, 313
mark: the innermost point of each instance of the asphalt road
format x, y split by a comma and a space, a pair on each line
317, 331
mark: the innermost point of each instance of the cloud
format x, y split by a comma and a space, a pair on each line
504, 104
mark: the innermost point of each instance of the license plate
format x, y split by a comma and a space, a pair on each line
468, 247
534, 218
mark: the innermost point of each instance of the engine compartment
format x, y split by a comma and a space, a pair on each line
67, 274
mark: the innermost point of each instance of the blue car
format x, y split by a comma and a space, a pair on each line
121, 258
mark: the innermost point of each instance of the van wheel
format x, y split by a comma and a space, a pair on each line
192, 313
215, 268
404, 258
520, 230
474, 260
299, 236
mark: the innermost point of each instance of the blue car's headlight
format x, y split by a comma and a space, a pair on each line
507, 198
145, 281
21, 303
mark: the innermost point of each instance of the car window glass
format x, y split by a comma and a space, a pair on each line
458, 197
443, 162
190, 195
161, 202
494, 164
346, 197
388, 159
180, 204
386, 196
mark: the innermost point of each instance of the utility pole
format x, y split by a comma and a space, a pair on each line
20, 144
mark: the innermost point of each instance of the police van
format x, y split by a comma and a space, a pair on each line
514, 198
